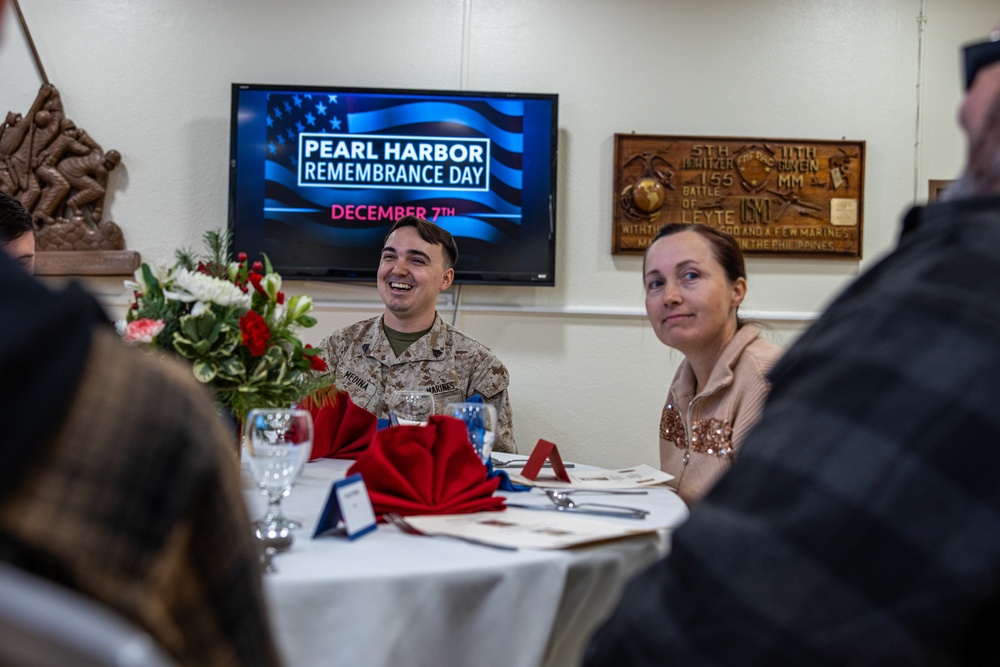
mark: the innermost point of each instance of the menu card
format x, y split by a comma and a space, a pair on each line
527, 529
625, 478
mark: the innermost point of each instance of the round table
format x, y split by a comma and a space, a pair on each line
389, 598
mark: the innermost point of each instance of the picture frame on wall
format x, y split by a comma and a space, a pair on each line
936, 188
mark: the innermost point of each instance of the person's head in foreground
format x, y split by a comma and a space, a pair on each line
17, 233
695, 280
979, 117
417, 263
860, 524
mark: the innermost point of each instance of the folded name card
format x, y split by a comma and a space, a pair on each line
545, 451
348, 502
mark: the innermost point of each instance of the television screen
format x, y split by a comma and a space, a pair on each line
318, 175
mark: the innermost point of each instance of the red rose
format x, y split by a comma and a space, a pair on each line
255, 278
316, 362
255, 333
280, 298
257, 266
242, 257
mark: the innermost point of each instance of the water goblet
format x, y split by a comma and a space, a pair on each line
279, 442
410, 408
480, 421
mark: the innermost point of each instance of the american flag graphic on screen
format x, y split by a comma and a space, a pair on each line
343, 167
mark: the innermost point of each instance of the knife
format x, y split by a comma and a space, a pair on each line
520, 463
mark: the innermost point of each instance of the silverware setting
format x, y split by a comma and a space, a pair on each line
626, 513
562, 499
563, 503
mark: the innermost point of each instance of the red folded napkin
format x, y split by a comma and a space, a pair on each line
341, 430
426, 470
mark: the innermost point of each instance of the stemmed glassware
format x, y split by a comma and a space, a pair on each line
278, 442
481, 421
410, 408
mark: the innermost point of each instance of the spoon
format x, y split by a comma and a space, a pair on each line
563, 500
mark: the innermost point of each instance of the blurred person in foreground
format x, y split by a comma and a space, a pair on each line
119, 480
695, 280
409, 346
861, 522
17, 232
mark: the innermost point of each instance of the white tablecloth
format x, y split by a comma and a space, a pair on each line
391, 599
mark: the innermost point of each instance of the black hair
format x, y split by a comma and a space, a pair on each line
15, 221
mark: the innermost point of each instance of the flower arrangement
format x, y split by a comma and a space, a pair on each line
232, 321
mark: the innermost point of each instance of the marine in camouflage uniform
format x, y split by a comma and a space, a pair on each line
446, 362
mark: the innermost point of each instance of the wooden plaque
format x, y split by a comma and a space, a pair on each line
784, 197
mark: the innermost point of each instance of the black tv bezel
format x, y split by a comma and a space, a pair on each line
462, 276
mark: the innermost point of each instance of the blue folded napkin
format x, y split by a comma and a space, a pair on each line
505, 483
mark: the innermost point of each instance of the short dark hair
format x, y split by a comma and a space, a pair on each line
432, 234
724, 247
15, 221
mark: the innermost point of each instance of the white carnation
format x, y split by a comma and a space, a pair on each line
188, 286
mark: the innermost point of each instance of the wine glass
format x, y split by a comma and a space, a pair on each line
279, 442
481, 421
410, 408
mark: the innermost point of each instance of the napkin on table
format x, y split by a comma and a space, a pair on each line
428, 469
341, 429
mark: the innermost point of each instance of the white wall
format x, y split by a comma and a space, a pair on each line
151, 79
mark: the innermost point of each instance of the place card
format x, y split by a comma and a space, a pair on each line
348, 502
545, 451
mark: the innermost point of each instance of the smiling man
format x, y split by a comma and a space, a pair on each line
409, 346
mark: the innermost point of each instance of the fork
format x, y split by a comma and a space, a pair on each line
407, 527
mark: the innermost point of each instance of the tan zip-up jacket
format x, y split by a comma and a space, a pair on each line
700, 434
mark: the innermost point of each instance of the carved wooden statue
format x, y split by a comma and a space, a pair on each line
60, 174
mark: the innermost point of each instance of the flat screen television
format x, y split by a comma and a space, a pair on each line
319, 174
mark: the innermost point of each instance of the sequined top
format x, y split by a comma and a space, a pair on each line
445, 362
699, 435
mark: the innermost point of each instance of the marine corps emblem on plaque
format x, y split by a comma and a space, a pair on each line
643, 198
